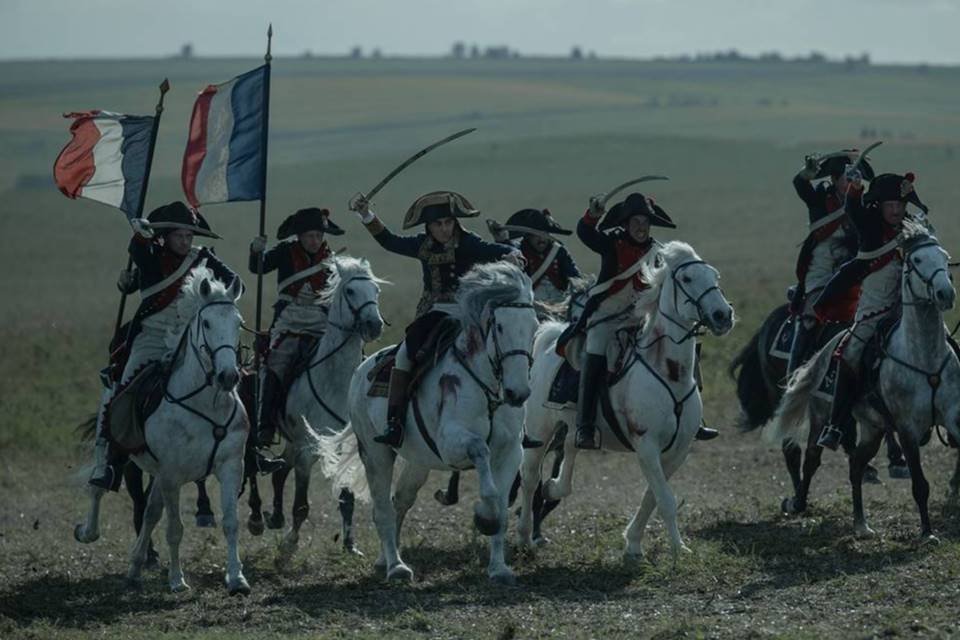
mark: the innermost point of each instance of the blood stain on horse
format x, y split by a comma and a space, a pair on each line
673, 370
449, 385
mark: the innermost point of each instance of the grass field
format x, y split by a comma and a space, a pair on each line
551, 133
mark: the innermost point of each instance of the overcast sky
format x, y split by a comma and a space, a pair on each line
903, 31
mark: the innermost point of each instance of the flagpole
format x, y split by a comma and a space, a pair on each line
263, 219
164, 87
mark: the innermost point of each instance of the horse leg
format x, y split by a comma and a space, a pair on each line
151, 516
504, 469
171, 502
204, 515
541, 506
89, 531
921, 488
452, 495
486, 511
133, 479
793, 456
657, 482
859, 459
954, 493
529, 485
255, 519
561, 485
230, 475
378, 465
411, 479
811, 462
345, 504
275, 519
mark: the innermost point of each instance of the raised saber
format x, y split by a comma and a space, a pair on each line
409, 161
628, 183
863, 154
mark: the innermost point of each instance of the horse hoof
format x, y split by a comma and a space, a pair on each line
179, 587
206, 521
929, 540
899, 471
789, 506
274, 520
486, 526
80, 536
238, 587
400, 573
504, 578
632, 560
352, 549
255, 527
541, 541
864, 532
871, 475
441, 497
682, 550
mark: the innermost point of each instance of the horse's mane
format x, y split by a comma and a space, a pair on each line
673, 253
343, 269
916, 231
496, 282
190, 300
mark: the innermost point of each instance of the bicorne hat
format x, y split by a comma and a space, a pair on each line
636, 204
891, 186
836, 164
535, 221
177, 215
309, 219
436, 205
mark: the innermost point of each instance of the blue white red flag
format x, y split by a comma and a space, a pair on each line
106, 160
223, 161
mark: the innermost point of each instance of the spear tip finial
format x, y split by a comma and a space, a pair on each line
165, 85
268, 57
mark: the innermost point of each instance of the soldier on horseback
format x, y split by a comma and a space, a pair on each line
163, 252
876, 269
830, 242
298, 319
446, 252
549, 264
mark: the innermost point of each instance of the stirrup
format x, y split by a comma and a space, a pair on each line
530, 443
830, 437
269, 466
706, 433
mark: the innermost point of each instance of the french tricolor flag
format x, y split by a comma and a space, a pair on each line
224, 157
106, 160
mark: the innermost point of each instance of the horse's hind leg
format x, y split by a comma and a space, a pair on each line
811, 462
541, 506
255, 519
529, 485
452, 495
921, 488
859, 459
230, 475
561, 485
301, 504
171, 502
954, 492
275, 518
204, 515
345, 504
151, 516
793, 457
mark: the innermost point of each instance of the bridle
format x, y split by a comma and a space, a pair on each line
697, 301
355, 310
910, 268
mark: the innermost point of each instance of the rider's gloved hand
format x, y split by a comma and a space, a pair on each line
141, 226
127, 281
258, 244
811, 164
361, 206
596, 205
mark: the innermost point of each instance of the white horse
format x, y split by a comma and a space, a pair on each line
452, 422
199, 428
918, 385
655, 404
317, 399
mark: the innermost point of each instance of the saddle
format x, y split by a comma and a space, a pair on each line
131, 406
426, 353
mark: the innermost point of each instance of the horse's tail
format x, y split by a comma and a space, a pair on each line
747, 371
340, 462
792, 419
88, 429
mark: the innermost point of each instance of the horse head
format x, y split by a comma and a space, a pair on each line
215, 329
926, 270
690, 290
353, 295
496, 306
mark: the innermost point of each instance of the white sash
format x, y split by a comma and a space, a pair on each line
825, 220
551, 255
173, 277
301, 275
876, 253
629, 273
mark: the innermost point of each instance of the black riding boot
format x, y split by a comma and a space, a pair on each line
703, 432
269, 392
840, 410
396, 408
592, 375
112, 475
800, 346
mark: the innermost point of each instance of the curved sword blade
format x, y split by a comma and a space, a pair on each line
628, 183
419, 154
863, 154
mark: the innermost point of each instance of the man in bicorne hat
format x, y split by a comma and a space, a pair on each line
298, 317
877, 269
163, 252
446, 252
549, 264
830, 242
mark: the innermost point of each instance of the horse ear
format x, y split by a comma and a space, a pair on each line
236, 288
658, 261
205, 288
